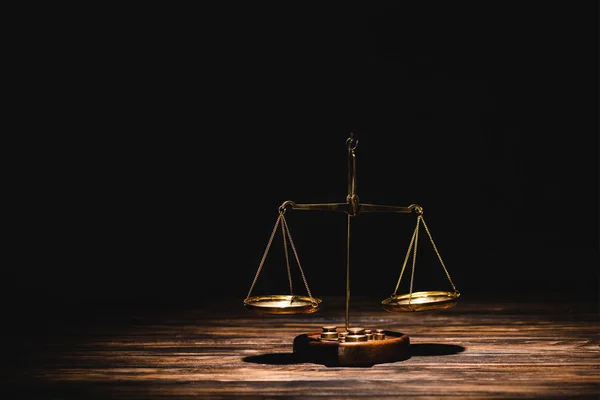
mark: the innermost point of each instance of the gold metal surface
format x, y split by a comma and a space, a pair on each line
329, 335
363, 208
329, 328
282, 304
343, 207
356, 338
348, 274
421, 301
356, 331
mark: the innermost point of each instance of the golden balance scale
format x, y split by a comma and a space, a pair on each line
350, 346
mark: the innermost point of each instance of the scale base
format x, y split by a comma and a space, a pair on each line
309, 347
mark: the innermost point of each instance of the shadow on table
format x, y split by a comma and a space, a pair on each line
416, 350
434, 349
273, 359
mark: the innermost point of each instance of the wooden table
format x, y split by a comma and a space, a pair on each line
514, 348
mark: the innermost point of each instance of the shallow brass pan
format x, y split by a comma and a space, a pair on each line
279, 304
421, 301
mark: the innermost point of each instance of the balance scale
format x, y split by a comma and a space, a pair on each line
350, 345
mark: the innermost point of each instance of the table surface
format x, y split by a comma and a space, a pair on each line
216, 349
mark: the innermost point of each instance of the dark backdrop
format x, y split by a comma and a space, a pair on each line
158, 144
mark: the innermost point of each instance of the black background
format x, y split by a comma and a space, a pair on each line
156, 146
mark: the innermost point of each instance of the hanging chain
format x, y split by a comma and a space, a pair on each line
414, 263
287, 258
438, 255
412, 240
284, 223
285, 230
265, 254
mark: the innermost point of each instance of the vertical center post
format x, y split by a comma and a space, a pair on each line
352, 200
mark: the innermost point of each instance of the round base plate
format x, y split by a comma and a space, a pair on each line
278, 304
309, 348
421, 301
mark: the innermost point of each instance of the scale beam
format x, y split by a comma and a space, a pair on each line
343, 207
364, 208
351, 208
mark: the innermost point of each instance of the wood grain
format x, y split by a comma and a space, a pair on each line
217, 350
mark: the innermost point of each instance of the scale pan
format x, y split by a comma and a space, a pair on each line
278, 304
421, 301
